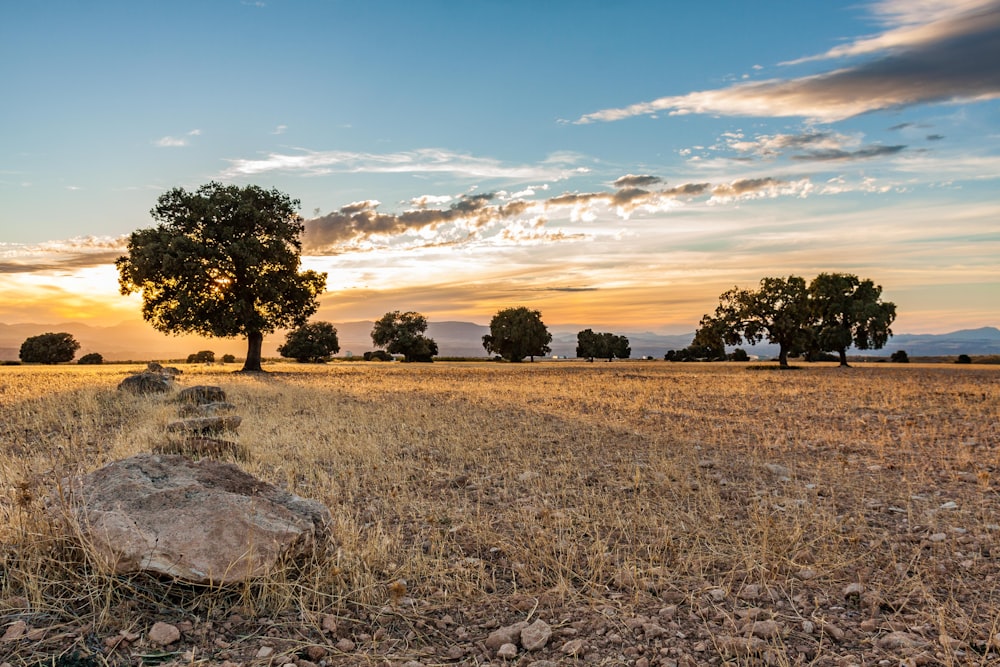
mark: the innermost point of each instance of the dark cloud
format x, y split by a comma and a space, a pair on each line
935, 137
951, 58
633, 181
688, 190
745, 186
836, 154
65, 261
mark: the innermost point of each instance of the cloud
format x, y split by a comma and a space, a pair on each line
280, 129
946, 52
426, 160
68, 255
176, 142
826, 155
629, 180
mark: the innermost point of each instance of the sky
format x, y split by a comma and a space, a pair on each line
616, 165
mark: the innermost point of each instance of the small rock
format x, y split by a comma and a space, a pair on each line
507, 651
937, 537
163, 634
15, 631
536, 635
505, 635
329, 623
806, 573
853, 590
652, 631
456, 652
265, 652
808, 627
147, 383
206, 425
315, 653
900, 640
345, 645
765, 629
201, 395
749, 592
573, 647
777, 470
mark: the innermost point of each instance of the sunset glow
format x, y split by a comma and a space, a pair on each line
451, 160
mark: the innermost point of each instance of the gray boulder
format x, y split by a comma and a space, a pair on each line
147, 383
202, 394
203, 522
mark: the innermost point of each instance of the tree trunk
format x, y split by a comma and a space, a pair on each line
843, 358
783, 357
255, 339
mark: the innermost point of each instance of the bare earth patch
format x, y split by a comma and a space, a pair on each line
639, 513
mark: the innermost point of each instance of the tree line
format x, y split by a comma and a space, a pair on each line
224, 261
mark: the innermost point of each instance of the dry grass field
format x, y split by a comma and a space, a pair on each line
648, 513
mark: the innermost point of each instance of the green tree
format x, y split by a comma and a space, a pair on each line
314, 342
94, 358
591, 345
202, 357
403, 333
516, 333
899, 357
778, 311
228, 358
49, 348
848, 311
223, 261
709, 340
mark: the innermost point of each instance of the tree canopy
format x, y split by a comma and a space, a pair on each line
49, 348
829, 314
403, 333
313, 342
591, 345
848, 311
516, 333
778, 311
223, 261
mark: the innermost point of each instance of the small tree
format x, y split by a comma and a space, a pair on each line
778, 311
313, 342
601, 345
739, 354
848, 311
516, 333
92, 358
49, 348
228, 358
899, 357
203, 357
963, 359
403, 333
223, 261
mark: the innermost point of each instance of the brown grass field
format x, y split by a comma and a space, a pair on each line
650, 513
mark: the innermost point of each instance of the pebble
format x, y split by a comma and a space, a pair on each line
265, 652
163, 634
507, 651
900, 640
345, 645
536, 635
15, 631
573, 647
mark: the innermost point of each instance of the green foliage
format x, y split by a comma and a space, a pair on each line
591, 345
403, 333
847, 311
899, 357
314, 342
963, 359
49, 348
222, 261
202, 357
229, 358
516, 333
377, 355
739, 354
91, 358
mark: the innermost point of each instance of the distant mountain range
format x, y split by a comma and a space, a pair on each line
140, 342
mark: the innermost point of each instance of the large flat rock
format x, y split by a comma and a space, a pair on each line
201, 522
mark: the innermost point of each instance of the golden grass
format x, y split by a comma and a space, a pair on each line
497, 487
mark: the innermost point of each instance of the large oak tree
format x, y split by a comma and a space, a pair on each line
849, 311
516, 333
223, 261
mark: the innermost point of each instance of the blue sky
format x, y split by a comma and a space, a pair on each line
613, 164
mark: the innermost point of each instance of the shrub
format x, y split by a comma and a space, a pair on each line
92, 358
229, 358
49, 348
739, 354
378, 355
899, 357
963, 359
203, 357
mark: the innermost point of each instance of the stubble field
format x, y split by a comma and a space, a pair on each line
647, 513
